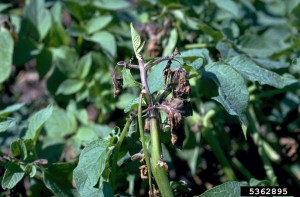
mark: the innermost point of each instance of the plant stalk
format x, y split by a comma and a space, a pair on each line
116, 152
160, 175
145, 150
253, 123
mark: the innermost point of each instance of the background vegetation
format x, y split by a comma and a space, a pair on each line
57, 97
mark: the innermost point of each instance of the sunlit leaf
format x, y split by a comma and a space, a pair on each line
6, 52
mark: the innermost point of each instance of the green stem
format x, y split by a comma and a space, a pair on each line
253, 124
159, 173
145, 150
239, 166
210, 137
271, 93
116, 152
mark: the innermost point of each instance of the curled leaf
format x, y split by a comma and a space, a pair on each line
176, 109
181, 87
117, 83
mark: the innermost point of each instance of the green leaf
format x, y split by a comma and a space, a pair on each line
232, 189
66, 60
229, 6
8, 110
249, 70
60, 185
44, 63
4, 6
233, 93
6, 123
85, 134
270, 64
194, 54
136, 42
133, 104
39, 17
128, 80
30, 170
18, 149
255, 182
90, 166
57, 36
217, 35
61, 123
23, 50
295, 67
112, 5
12, 175
155, 78
36, 122
97, 23
6, 54
169, 48
84, 65
264, 46
30, 148
70, 86
106, 40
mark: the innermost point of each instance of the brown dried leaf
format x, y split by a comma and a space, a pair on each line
181, 86
143, 172
117, 83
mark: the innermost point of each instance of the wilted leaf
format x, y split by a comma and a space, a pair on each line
155, 78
